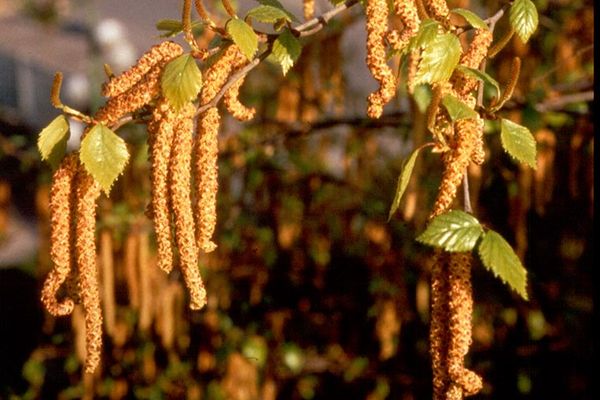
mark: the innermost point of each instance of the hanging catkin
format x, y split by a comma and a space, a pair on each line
377, 22
438, 329
180, 181
160, 140
231, 97
437, 9
60, 236
472, 58
409, 16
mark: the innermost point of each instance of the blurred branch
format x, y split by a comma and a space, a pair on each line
558, 103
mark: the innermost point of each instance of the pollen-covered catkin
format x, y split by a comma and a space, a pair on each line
60, 236
472, 58
88, 191
437, 9
160, 140
308, 6
231, 97
206, 176
216, 75
157, 54
468, 138
180, 183
377, 24
409, 16
438, 329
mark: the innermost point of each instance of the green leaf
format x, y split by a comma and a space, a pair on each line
104, 155
277, 4
422, 97
523, 17
243, 35
473, 19
453, 231
498, 256
52, 141
428, 31
172, 27
268, 14
181, 80
518, 142
482, 76
457, 109
286, 50
438, 59
407, 168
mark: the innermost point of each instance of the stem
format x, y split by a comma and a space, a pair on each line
314, 25
229, 8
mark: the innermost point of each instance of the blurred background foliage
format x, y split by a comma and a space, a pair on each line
312, 293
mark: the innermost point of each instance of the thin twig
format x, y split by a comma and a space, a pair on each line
317, 23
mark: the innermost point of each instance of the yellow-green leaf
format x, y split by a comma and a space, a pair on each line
454, 231
104, 155
268, 14
518, 142
473, 19
52, 141
482, 76
277, 4
498, 256
457, 109
172, 27
523, 17
403, 179
286, 50
243, 35
438, 59
428, 31
181, 80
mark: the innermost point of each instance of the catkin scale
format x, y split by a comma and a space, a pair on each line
180, 181
60, 236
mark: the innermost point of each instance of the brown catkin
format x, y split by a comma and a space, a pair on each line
157, 54
60, 236
88, 191
377, 23
409, 16
468, 137
216, 75
437, 9
206, 177
231, 97
160, 139
180, 180
438, 329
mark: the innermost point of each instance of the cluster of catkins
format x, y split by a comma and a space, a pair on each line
183, 177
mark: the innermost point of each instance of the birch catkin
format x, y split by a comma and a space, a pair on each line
60, 236
180, 182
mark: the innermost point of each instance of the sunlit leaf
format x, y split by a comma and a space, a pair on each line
181, 80
243, 35
482, 76
457, 109
498, 256
286, 50
453, 231
438, 59
407, 168
523, 17
428, 31
172, 27
518, 142
104, 155
473, 19
268, 14
277, 4
52, 140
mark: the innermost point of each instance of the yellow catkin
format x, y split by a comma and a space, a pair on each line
437, 9
377, 23
438, 328
308, 6
468, 137
231, 97
60, 236
130, 269
180, 181
206, 176
157, 54
409, 16
216, 75
160, 139
108, 281
472, 58
88, 190
462, 380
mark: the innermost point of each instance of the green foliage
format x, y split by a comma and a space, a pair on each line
457, 109
173, 27
52, 140
243, 35
482, 76
439, 58
523, 17
473, 19
403, 179
269, 14
498, 256
454, 231
428, 30
278, 5
286, 50
104, 155
181, 80
518, 141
